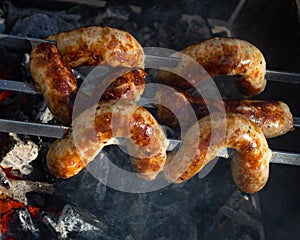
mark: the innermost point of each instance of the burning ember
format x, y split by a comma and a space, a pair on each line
36, 205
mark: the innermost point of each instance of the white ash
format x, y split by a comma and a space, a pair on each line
4, 180
46, 116
21, 155
19, 188
26, 222
76, 223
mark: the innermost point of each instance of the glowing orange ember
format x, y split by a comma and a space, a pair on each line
4, 95
7, 207
6, 68
7, 171
34, 211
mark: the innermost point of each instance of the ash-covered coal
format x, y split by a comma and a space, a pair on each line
27, 222
76, 223
192, 210
19, 188
37, 23
20, 155
23, 225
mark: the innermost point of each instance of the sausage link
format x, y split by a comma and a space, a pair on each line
55, 79
51, 67
96, 45
250, 165
223, 56
131, 85
113, 119
273, 117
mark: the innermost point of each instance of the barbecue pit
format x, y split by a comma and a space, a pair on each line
202, 208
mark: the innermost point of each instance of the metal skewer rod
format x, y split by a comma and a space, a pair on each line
28, 43
53, 131
31, 89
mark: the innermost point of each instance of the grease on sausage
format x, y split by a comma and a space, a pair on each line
55, 79
96, 45
250, 165
222, 56
273, 117
113, 119
50, 66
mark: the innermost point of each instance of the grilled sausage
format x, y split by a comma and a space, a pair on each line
222, 56
50, 66
273, 117
113, 119
131, 85
55, 79
250, 165
99, 45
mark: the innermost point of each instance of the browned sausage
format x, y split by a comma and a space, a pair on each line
97, 45
222, 56
50, 66
113, 119
273, 117
250, 165
55, 79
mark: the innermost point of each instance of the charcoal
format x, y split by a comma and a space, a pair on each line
76, 223
19, 188
45, 116
172, 28
20, 155
2, 21
27, 223
239, 215
195, 7
170, 221
83, 189
23, 225
38, 23
6, 144
4, 181
41, 23
170, 213
13, 14
117, 9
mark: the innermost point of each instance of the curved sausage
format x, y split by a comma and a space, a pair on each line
113, 119
223, 56
131, 85
250, 165
55, 79
50, 66
96, 45
273, 117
